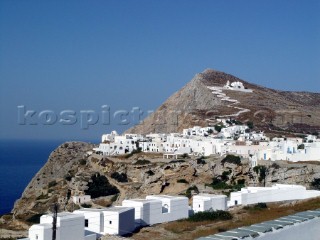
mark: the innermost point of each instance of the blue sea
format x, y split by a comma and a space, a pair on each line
20, 160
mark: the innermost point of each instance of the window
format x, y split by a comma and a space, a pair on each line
110, 222
199, 205
37, 236
165, 208
86, 222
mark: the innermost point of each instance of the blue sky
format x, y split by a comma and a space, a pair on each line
81, 55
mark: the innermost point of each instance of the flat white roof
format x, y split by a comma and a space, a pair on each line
64, 215
210, 195
118, 209
141, 200
165, 196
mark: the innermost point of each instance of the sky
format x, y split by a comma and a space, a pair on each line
72, 70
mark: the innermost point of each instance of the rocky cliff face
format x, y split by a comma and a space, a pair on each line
270, 110
69, 171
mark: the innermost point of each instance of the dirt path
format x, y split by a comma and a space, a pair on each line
217, 91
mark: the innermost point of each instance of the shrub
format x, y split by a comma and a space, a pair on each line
52, 184
83, 162
185, 155
142, 162
192, 188
257, 206
217, 183
301, 146
262, 171
182, 181
114, 198
250, 125
225, 175
231, 159
200, 160
210, 216
177, 161
134, 151
68, 177
85, 205
241, 181
34, 218
218, 127
42, 196
100, 186
150, 173
315, 184
120, 177
275, 165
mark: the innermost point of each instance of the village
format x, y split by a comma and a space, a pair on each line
224, 138
228, 137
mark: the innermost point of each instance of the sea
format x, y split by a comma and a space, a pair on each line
20, 160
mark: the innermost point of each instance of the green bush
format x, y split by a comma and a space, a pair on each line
301, 146
262, 171
142, 162
100, 186
231, 159
218, 183
120, 177
200, 160
250, 125
85, 205
114, 198
182, 181
315, 184
210, 216
192, 188
257, 206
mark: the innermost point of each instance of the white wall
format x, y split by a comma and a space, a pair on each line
278, 192
205, 202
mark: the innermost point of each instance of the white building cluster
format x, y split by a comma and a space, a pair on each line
197, 141
89, 224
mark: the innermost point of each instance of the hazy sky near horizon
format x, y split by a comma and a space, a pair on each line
82, 55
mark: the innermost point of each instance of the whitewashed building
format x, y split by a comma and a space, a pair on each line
114, 220
278, 192
81, 199
69, 227
158, 209
205, 202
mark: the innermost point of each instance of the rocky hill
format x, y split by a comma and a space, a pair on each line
69, 171
270, 110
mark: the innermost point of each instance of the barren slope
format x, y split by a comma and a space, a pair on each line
271, 110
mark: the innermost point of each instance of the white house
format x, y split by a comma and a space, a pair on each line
69, 227
158, 209
114, 220
278, 192
146, 210
81, 199
205, 202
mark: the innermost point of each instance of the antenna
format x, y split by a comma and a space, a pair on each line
54, 223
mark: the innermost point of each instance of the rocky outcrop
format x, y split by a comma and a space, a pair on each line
69, 171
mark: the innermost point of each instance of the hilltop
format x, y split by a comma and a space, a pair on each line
270, 110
